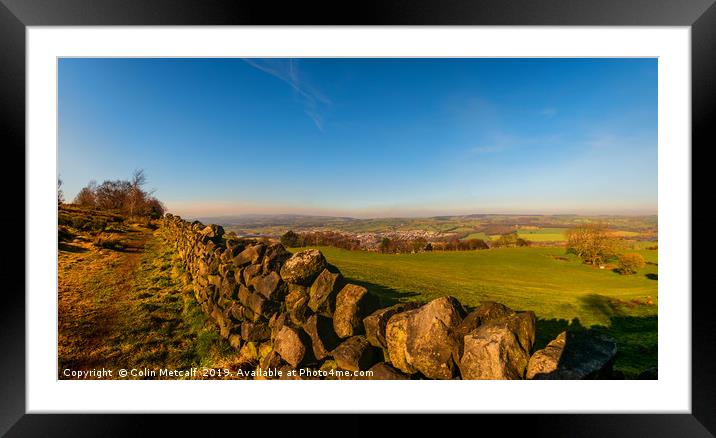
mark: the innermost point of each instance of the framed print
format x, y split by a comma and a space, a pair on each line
466, 208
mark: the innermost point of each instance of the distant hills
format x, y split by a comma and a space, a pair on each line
254, 220
459, 225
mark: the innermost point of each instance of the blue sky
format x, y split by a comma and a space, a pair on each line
366, 137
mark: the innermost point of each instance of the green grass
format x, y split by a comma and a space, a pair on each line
175, 331
479, 235
557, 287
543, 234
643, 245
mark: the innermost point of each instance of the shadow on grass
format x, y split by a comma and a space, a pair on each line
70, 248
636, 337
652, 276
548, 329
387, 296
602, 305
129, 249
117, 231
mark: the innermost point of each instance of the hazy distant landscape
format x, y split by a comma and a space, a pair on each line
536, 228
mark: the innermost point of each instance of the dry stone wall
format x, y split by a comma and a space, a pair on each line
284, 312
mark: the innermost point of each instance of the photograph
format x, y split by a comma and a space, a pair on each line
357, 218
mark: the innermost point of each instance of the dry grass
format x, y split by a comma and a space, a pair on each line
129, 308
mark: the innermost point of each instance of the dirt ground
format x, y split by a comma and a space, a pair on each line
94, 298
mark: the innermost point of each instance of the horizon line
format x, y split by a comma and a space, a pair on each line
425, 216
219, 209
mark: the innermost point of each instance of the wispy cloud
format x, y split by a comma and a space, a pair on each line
487, 149
287, 70
548, 112
497, 141
602, 142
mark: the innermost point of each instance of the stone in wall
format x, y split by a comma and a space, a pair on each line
289, 345
384, 371
275, 256
352, 304
323, 292
323, 338
297, 304
269, 285
574, 355
255, 331
423, 340
493, 353
375, 323
355, 354
303, 267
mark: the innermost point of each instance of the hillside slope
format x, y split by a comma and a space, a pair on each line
123, 306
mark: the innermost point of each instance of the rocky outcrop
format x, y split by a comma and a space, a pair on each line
283, 311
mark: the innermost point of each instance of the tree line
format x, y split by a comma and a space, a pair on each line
124, 196
394, 245
320, 238
592, 243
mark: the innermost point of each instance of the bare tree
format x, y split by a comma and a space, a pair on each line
86, 197
127, 197
138, 178
137, 197
60, 193
592, 243
113, 195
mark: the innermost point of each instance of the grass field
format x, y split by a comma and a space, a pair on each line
543, 234
479, 235
557, 287
645, 245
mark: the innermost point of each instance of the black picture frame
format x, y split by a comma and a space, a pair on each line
16, 15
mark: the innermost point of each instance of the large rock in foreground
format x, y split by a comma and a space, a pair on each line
323, 291
269, 286
522, 324
486, 312
499, 348
423, 340
297, 304
493, 353
323, 337
383, 371
354, 354
376, 322
289, 346
352, 304
574, 355
303, 267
